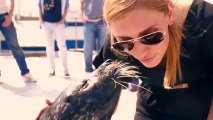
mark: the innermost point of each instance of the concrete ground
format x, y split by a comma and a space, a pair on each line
22, 101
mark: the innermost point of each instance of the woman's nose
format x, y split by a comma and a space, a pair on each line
139, 50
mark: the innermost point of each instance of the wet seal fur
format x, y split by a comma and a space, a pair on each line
95, 97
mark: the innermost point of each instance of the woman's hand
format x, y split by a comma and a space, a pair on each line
210, 116
44, 109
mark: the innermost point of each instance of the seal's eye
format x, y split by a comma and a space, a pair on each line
67, 99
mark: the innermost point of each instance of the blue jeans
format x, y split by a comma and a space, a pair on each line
10, 35
94, 36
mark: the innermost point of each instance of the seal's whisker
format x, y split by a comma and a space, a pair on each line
114, 82
119, 83
135, 76
136, 85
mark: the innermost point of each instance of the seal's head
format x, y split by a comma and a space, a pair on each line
94, 97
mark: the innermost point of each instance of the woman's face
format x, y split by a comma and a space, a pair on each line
140, 22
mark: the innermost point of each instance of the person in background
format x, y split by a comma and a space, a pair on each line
52, 14
171, 42
94, 29
9, 32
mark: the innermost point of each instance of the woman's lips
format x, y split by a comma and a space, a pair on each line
147, 59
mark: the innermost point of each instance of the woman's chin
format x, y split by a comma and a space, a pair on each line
151, 64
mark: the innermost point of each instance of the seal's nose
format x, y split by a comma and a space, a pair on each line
133, 85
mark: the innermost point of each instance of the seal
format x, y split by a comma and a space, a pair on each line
94, 97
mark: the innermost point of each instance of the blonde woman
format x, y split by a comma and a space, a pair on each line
171, 41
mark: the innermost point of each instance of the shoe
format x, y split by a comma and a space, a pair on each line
52, 74
28, 78
66, 74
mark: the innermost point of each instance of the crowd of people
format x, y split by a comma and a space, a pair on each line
52, 14
169, 40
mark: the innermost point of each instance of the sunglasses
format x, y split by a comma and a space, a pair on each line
148, 39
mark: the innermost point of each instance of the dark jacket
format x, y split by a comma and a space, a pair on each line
192, 103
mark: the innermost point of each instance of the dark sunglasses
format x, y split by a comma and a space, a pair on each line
148, 39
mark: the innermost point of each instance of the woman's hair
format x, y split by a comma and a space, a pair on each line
114, 9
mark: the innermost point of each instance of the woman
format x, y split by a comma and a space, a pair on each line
52, 14
171, 42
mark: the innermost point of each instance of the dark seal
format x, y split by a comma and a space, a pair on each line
95, 97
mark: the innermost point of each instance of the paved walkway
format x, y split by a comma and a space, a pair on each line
22, 101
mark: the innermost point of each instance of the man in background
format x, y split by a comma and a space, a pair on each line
94, 29
8, 30
52, 14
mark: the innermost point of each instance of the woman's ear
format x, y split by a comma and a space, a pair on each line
171, 13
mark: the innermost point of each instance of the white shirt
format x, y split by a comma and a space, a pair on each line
3, 6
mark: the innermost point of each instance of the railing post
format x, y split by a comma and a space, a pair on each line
1, 37
76, 33
18, 14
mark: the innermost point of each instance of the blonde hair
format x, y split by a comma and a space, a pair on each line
114, 9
